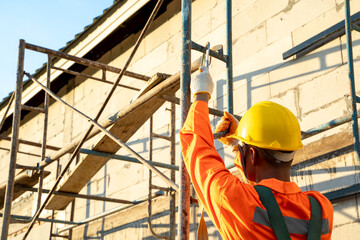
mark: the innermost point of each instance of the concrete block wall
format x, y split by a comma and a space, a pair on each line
314, 87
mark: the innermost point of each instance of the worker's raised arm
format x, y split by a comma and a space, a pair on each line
204, 164
201, 158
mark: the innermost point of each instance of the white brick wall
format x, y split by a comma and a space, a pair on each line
313, 87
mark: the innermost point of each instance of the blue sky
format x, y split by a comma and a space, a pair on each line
46, 23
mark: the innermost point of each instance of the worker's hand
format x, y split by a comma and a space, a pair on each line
228, 122
202, 82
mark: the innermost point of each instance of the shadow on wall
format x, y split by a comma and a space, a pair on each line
142, 225
297, 170
343, 179
300, 170
145, 144
250, 76
88, 192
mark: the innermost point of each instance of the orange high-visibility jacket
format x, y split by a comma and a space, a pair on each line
234, 206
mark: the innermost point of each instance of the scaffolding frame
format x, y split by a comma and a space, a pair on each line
186, 70
44, 163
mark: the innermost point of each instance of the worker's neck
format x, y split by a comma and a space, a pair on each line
282, 174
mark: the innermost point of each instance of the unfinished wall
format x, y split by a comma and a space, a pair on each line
314, 87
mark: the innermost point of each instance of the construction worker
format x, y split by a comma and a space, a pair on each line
264, 141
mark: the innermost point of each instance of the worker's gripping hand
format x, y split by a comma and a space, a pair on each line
202, 82
228, 122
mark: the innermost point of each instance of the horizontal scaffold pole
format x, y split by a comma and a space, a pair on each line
30, 143
213, 52
355, 27
32, 109
326, 126
212, 111
107, 213
28, 219
128, 159
84, 61
76, 195
94, 78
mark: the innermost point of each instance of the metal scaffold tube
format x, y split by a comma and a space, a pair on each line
150, 226
229, 67
14, 141
84, 61
94, 78
127, 159
53, 212
106, 213
172, 174
81, 196
27, 219
212, 52
46, 117
351, 78
30, 143
7, 110
184, 196
94, 122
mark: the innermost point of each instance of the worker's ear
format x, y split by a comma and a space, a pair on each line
253, 156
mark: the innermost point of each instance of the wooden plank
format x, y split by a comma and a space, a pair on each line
128, 122
153, 81
25, 178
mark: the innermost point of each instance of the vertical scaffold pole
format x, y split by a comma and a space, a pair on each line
229, 66
351, 78
46, 116
172, 176
184, 205
14, 141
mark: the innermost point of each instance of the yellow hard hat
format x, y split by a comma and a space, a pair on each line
271, 126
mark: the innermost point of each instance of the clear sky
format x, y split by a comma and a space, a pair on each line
46, 23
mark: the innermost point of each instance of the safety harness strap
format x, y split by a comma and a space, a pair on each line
277, 219
315, 224
275, 216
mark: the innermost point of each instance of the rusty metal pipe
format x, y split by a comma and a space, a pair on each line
184, 196
14, 141
7, 109
30, 143
94, 78
151, 186
32, 109
84, 61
